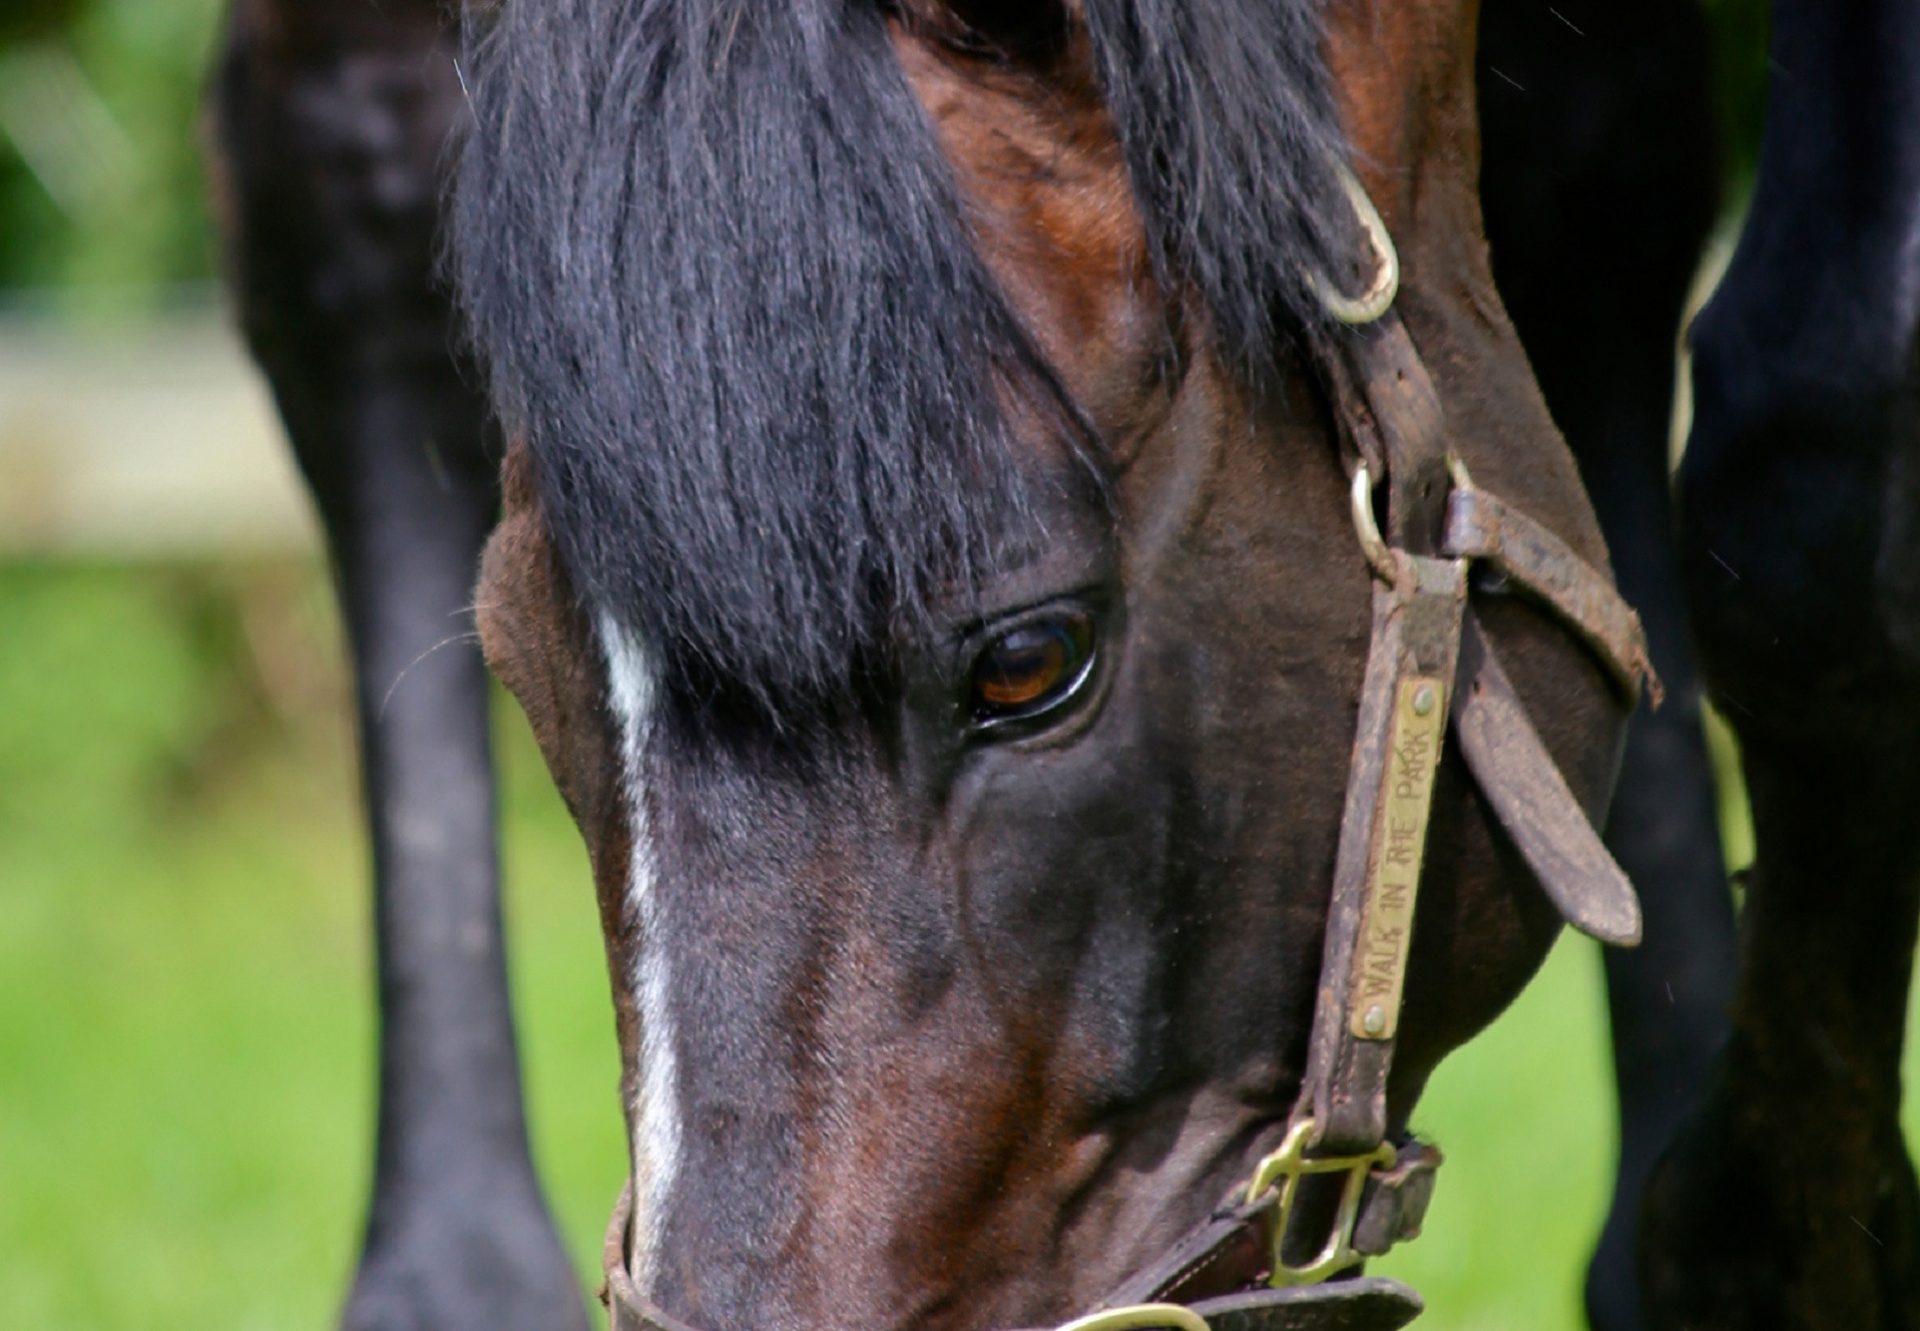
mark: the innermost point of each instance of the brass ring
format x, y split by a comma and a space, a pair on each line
1140, 1317
1367, 528
1377, 299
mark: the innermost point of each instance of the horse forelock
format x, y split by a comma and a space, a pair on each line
723, 279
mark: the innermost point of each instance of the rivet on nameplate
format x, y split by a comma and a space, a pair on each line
1423, 700
1376, 1020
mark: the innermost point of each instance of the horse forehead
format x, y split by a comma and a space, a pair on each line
1041, 174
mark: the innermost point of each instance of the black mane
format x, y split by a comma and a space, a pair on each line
714, 262
1227, 124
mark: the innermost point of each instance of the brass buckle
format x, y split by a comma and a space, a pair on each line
1283, 1170
1140, 1317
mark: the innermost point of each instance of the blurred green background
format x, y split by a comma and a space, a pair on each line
100, 185
185, 1022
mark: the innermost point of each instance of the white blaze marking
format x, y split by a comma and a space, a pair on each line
656, 1123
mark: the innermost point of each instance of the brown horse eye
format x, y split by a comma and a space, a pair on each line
1032, 669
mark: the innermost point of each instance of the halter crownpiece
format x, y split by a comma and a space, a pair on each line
1279, 1254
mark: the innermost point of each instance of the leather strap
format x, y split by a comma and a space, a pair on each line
1209, 1273
1234, 1247
1363, 1304
1414, 649
1486, 528
1535, 805
1392, 415
1422, 636
627, 1310
1395, 1206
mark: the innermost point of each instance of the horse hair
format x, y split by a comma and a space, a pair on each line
1227, 125
715, 265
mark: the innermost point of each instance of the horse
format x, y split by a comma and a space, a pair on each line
936, 554
1779, 1191
1789, 1197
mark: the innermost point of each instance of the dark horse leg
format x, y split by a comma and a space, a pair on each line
331, 120
1600, 183
1790, 1201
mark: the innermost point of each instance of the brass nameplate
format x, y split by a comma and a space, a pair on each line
1399, 845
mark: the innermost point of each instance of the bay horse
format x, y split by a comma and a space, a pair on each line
936, 555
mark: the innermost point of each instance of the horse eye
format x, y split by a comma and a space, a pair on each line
1032, 669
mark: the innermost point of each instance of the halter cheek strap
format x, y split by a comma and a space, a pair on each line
1430, 664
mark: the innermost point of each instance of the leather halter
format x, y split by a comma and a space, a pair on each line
1280, 1253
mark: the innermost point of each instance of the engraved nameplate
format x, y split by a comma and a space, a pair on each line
1399, 846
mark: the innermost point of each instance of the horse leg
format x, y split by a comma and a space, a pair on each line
1599, 188
1790, 1201
331, 121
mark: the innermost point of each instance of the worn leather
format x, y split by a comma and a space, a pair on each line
1209, 1271
1367, 1303
1393, 418
1484, 527
1535, 804
1395, 1205
1234, 1248
1416, 631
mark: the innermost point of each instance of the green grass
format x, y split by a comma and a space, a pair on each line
185, 982
185, 1023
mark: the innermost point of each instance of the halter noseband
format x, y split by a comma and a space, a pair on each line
1267, 1259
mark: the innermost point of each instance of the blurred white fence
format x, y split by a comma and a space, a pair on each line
149, 439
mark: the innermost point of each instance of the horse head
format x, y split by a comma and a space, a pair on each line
928, 567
